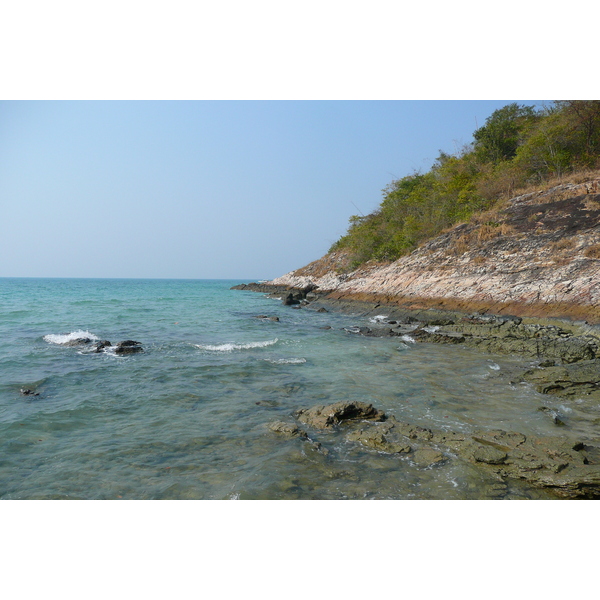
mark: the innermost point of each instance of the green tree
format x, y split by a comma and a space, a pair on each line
503, 132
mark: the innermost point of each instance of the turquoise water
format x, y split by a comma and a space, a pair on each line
187, 417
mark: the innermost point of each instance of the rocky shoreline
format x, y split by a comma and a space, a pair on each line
567, 359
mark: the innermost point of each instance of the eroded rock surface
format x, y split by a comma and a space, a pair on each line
324, 417
569, 469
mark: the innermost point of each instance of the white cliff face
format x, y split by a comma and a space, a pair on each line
543, 248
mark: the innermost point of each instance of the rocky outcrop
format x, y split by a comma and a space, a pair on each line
128, 347
581, 380
324, 417
538, 255
568, 468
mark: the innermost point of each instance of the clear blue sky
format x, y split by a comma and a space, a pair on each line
203, 189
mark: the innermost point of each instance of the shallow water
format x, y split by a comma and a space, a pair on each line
187, 417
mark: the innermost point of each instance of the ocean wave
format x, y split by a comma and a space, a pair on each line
286, 361
65, 338
230, 346
407, 338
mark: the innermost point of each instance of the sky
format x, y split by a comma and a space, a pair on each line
201, 189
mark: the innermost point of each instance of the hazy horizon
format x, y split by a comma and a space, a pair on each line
204, 189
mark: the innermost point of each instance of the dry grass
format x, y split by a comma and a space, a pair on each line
460, 245
592, 251
574, 178
478, 259
562, 244
489, 232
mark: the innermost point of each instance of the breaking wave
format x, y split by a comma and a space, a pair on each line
65, 338
230, 347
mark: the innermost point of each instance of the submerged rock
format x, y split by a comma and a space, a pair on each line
287, 429
28, 392
566, 467
376, 438
427, 457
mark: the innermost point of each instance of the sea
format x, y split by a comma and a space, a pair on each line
188, 417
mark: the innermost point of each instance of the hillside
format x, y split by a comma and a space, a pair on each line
536, 254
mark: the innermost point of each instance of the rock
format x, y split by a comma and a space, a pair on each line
374, 437
128, 347
553, 414
99, 346
291, 298
77, 342
27, 392
324, 417
489, 455
578, 379
287, 429
266, 318
426, 457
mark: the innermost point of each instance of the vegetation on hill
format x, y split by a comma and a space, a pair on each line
518, 146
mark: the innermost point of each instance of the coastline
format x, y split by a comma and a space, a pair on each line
566, 366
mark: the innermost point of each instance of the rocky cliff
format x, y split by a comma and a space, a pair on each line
536, 255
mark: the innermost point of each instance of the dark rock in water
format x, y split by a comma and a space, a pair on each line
28, 392
553, 414
262, 287
266, 318
299, 295
128, 347
322, 310
323, 417
77, 342
100, 345
290, 299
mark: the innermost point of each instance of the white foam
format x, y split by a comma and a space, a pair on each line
494, 366
53, 338
431, 328
407, 338
230, 347
286, 361
378, 318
